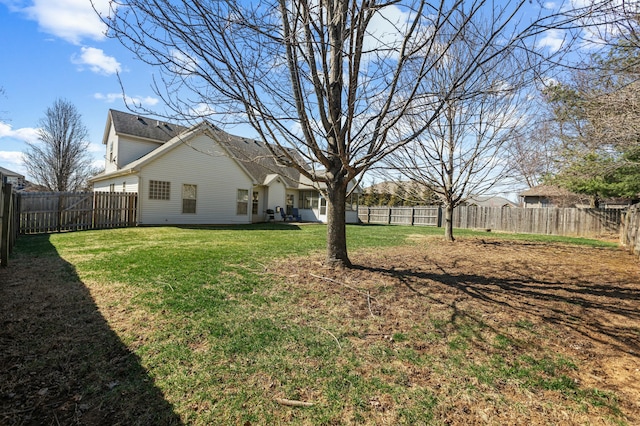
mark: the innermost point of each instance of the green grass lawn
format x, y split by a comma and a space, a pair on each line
223, 339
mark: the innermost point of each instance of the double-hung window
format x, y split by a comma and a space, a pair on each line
189, 196
242, 205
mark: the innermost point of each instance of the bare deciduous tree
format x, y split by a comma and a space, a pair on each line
531, 153
463, 153
60, 161
328, 79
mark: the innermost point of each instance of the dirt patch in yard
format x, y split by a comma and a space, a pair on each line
504, 300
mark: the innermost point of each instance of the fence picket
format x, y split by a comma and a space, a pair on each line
551, 221
44, 212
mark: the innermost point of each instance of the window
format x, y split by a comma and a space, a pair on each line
323, 206
242, 205
159, 190
308, 200
254, 203
189, 194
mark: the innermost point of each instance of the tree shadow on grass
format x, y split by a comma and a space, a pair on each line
605, 311
61, 362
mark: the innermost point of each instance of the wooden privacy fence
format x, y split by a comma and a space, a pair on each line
417, 216
552, 221
44, 212
8, 220
630, 233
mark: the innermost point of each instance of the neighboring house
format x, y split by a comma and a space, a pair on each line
482, 201
16, 180
553, 196
203, 175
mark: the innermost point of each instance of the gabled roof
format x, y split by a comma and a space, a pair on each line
253, 156
141, 127
7, 172
257, 158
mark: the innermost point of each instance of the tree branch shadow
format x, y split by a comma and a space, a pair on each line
604, 312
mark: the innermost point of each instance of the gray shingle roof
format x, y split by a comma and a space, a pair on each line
144, 127
254, 155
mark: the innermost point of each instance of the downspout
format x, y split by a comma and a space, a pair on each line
139, 206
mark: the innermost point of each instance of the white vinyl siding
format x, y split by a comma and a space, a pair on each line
110, 164
129, 150
217, 176
123, 183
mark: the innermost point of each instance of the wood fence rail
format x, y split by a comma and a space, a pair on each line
45, 212
550, 221
8, 220
630, 233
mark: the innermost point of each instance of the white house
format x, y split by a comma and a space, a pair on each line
203, 175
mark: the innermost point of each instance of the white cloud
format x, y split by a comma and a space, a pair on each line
13, 160
553, 39
11, 157
183, 64
108, 97
97, 61
203, 110
387, 29
133, 100
25, 134
96, 148
71, 20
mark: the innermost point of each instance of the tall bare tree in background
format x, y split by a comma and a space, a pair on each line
60, 161
330, 80
531, 154
463, 153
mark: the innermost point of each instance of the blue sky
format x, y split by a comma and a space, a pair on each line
53, 49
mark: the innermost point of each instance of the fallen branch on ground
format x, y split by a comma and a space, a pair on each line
343, 284
368, 294
332, 335
293, 403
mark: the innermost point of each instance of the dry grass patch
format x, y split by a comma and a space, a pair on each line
497, 331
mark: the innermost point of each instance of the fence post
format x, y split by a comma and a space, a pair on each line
5, 236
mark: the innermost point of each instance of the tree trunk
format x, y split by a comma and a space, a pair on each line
336, 227
448, 222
